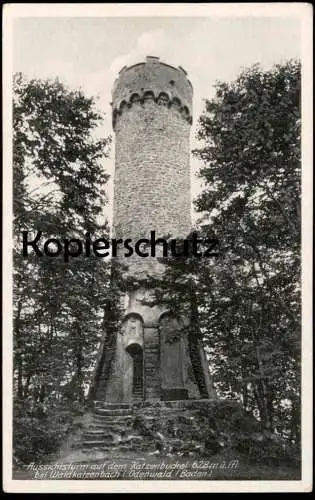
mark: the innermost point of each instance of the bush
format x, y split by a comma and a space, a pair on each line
39, 430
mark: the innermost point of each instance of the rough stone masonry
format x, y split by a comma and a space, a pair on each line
151, 358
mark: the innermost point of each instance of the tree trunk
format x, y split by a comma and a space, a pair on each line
18, 352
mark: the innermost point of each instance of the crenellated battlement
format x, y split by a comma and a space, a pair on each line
162, 99
156, 81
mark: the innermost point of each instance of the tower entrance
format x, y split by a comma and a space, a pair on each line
136, 353
172, 359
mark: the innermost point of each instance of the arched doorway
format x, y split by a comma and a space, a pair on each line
136, 352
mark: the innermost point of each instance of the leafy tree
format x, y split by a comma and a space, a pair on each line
59, 182
251, 156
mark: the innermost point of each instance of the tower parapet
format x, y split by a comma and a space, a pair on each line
156, 81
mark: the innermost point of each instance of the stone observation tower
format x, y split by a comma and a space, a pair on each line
152, 357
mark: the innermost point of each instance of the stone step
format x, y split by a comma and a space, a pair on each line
91, 438
112, 418
161, 410
112, 412
109, 429
115, 438
102, 433
132, 438
104, 423
146, 417
111, 406
97, 444
168, 409
111, 426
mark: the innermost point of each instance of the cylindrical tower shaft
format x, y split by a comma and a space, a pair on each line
152, 105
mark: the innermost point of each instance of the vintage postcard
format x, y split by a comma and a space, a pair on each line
157, 247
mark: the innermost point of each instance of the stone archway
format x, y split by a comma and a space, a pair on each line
136, 352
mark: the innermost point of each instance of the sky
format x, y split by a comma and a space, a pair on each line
88, 52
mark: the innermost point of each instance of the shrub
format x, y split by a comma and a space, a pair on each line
38, 430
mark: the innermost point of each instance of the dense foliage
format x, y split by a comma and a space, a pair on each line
59, 180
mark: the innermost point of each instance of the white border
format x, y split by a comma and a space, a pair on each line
303, 11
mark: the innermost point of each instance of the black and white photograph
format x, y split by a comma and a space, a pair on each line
157, 247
